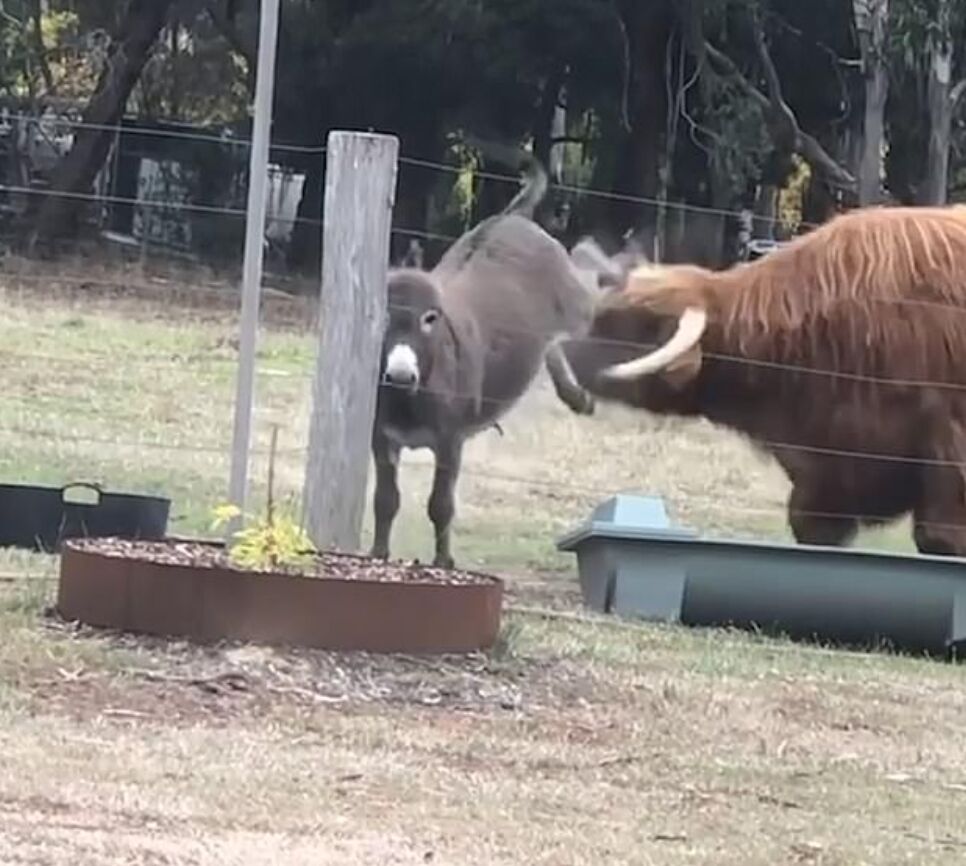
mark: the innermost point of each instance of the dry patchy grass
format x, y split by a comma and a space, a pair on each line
574, 742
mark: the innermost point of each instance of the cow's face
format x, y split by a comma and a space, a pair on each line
644, 345
413, 331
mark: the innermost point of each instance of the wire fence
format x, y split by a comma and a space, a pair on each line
201, 355
192, 208
226, 138
91, 365
419, 162
554, 487
199, 362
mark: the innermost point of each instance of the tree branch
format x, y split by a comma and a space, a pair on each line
811, 150
768, 65
779, 116
956, 94
36, 12
783, 124
726, 66
626, 82
224, 23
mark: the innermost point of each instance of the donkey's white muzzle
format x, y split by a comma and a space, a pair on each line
402, 367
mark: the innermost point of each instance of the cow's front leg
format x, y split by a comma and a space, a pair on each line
386, 497
813, 517
565, 383
442, 507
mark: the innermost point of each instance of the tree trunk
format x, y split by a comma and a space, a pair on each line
871, 19
305, 249
546, 114
648, 29
765, 212
75, 175
940, 99
543, 123
37, 16
414, 193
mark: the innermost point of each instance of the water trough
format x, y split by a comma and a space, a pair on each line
633, 562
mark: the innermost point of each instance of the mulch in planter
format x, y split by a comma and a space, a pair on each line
334, 566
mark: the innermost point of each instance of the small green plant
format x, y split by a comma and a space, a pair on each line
267, 541
270, 541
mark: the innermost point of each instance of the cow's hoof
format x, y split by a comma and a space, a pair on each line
378, 553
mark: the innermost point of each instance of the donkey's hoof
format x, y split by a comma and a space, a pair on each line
583, 404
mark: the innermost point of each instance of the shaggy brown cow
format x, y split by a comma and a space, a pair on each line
843, 354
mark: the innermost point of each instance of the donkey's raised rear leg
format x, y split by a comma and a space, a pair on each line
442, 506
565, 383
386, 497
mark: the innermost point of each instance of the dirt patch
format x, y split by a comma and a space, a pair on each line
140, 699
182, 682
551, 591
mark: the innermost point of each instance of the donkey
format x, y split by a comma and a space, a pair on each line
463, 343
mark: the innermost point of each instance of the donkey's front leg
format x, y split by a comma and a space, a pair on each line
442, 507
386, 497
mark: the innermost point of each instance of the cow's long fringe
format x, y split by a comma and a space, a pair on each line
878, 292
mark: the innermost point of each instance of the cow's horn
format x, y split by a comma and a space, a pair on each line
691, 326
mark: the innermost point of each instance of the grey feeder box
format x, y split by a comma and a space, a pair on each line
632, 562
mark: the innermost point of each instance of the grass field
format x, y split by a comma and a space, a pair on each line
577, 741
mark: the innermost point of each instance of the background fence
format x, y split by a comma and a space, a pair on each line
119, 356
179, 191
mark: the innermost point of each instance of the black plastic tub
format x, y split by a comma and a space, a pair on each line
41, 518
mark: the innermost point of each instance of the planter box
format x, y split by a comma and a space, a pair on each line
214, 602
632, 562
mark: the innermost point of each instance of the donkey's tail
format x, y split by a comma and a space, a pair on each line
535, 182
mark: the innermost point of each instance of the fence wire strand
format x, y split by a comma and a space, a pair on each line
553, 484
584, 492
206, 138
403, 159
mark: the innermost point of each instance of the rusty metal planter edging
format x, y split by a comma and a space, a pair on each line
632, 562
209, 604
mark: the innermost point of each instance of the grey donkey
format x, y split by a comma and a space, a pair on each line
464, 342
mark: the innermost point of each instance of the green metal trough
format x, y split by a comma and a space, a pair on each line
634, 563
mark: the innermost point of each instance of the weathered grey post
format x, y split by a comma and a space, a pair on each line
360, 186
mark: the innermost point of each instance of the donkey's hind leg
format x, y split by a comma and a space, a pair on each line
565, 383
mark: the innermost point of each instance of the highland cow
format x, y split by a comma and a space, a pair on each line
842, 354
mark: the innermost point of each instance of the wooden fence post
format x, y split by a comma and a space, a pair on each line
360, 186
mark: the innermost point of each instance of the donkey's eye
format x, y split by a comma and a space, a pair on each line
428, 320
